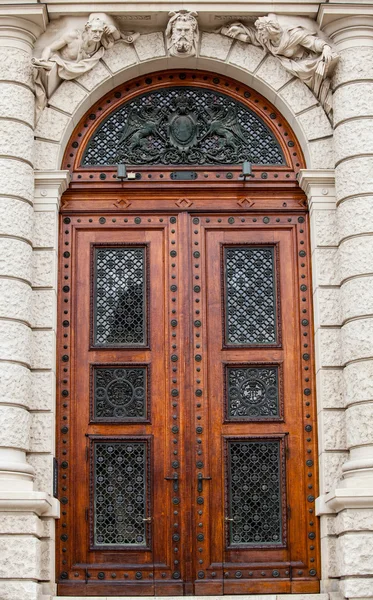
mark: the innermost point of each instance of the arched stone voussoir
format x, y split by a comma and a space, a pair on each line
249, 65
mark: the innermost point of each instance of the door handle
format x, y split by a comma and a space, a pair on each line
200, 479
228, 519
148, 519
175, 479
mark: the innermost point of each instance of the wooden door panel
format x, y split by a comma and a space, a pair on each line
262, 566
210, 397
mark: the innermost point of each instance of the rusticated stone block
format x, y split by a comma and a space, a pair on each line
43, 353
46, 155
18, 523
325, 227
51, 124
315, 123
356, 519
15, 427
332, 433
330, 388
325, 262
247, 59
331, 464
41, 432
353, 138
19, 554
15, 259
355, 256
150, 45
42, 390
15, 65
16, 179
328, 348
357, 297
298, 96
357, 339
17, 102
353, 100
17, 140
327, 307
355, 63
119, 57
15, 300
43, 465
356, 587
68, 97
14, 383
358, 378
15, 342
93, 78
45, 229
16, 218
359, 425
272, 72
354, 177
215, 46
355, 216
322, 154
355, 554
44, 268
20, 590
43, 308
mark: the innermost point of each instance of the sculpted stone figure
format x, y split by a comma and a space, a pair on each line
75, 52
300, 51
182, 34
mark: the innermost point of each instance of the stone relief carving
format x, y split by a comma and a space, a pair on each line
66, 53
74, 52
301, 51
182, 34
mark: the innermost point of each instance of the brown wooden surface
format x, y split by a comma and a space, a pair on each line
219, 564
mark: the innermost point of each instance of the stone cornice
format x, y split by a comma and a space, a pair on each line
49, 187
317, 182
331, 12
342, 498
35, 14
39, 503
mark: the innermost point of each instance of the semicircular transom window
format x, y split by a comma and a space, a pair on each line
183, 126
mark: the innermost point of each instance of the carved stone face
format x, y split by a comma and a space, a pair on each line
267, 29
95, 30
183, 35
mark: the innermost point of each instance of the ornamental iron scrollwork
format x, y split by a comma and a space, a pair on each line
183, 126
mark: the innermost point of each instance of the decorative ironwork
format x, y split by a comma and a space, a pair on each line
119, 393
183, 126
120, 493
250, 304
120, 296
252, 392
255, 494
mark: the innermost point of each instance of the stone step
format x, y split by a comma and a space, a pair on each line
246, 597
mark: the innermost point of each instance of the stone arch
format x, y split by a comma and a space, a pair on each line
221, 55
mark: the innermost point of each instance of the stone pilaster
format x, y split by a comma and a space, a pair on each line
352, 497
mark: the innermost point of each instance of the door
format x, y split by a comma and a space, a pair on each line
186, 447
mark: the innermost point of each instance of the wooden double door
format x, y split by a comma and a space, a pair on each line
186, 445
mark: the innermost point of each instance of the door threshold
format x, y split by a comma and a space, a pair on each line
232, 597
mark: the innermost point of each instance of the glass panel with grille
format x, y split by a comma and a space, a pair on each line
250, 299
120, 296
254, 493
252, 392
121, 493
119, 394
183, 126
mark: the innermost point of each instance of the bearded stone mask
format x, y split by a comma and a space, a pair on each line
182, 34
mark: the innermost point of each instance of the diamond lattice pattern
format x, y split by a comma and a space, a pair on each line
120, 493
250, 296
255, 493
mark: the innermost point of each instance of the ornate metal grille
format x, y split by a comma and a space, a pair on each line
183, 126
119, 394
254, 480
250, 304
252, 392
120, 493
120, 297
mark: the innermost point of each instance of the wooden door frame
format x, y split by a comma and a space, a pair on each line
108, 208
